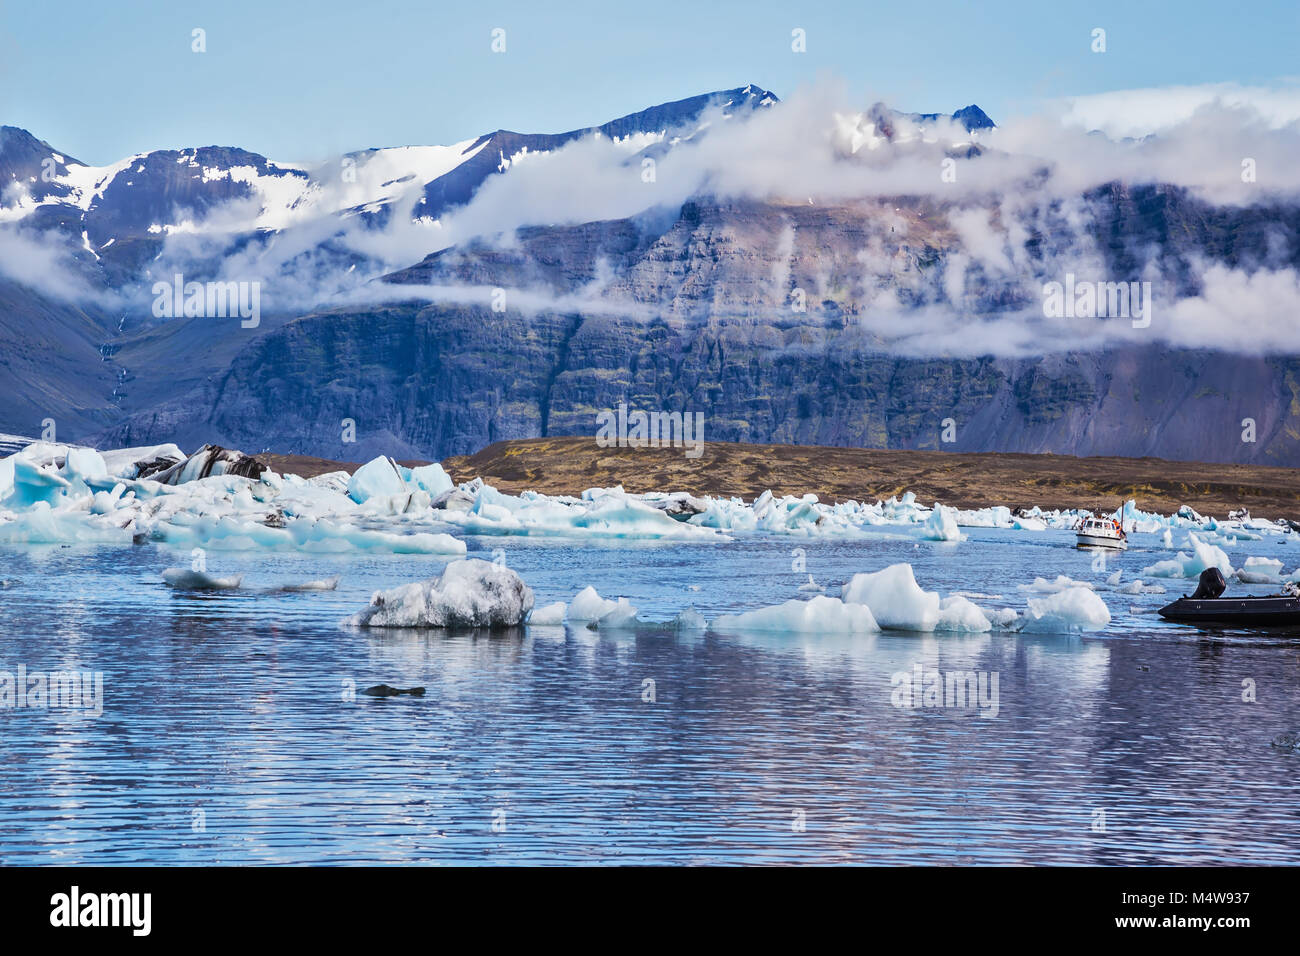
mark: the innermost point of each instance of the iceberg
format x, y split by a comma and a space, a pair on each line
431, 479
1260, 571
83, 464
942, 525
1074, 609
41, 524
1185, 565
208, 461
589, 606
32, 484
468, 593
190, 580
377, 478
551, 615
1062, 583
958, 614
895, 599
821, 614
323, 584
689, 619
623, 614
141, 462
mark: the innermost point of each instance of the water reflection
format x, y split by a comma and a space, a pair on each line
240, 710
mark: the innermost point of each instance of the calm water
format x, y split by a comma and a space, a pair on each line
226, 736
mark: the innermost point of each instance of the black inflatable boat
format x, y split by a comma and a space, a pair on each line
1207, 605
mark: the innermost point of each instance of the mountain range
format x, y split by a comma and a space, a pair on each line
514, 285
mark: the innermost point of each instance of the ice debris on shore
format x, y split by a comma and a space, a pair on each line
468, 593
51, 494
219, 498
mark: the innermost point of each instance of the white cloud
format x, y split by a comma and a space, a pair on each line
1142, 111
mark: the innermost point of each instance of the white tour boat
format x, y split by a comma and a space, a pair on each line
1094, 532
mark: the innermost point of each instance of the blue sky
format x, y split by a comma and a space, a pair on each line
304, 81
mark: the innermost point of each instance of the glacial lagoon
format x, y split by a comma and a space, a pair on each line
233, 728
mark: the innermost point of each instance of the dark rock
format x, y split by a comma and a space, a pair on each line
453, 499
383, 690
211, 460
1289, 742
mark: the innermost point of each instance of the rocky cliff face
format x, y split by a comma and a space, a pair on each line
703, 321
424, 382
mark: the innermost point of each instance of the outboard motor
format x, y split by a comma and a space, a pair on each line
1210, 586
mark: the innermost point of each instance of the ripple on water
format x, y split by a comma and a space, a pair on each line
231, 730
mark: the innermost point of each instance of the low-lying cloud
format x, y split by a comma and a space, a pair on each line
1019, 214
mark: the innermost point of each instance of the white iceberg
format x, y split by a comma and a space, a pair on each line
377, 478
1260, 571
551, 615
942, 525
1185, 565
1062, 583
623, 614
820, 614
895, 599
432, 479
958, 614
689, 619
468, 593
589, 606
321, 584
1074, 609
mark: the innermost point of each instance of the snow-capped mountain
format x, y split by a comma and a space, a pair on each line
799, 270
229, 190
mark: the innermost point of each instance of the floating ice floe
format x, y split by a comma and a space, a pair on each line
468, 593
820, 614
323, 584
888, 599
1137, 587
552, 615
1185, 565
187, 579
590, 608
956, 613
1062, 583
1260, 571
689, 619
895, 599
1073, 609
